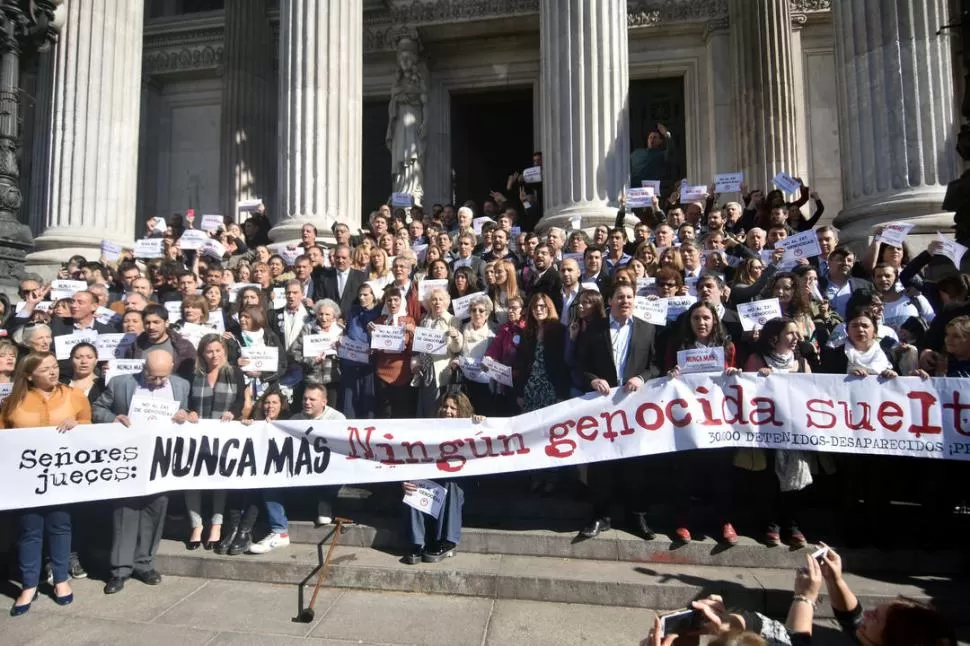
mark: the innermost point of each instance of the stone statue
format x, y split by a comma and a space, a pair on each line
407, 124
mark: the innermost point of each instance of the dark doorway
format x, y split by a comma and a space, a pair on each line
376, 173
491, 136
654, 101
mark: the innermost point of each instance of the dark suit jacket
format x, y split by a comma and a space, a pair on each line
116, 398
604, 282
477, 265
595, 354
325, 286
550, 283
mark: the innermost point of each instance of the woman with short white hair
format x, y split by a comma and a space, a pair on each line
431, 371
322, 368
477, 334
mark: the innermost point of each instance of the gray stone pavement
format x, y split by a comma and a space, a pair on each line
191, 612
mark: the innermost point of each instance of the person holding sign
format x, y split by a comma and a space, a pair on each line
157, 336
357, 399
444, 531
702, 330
395, 397
138, 522
432, 371
254, 335
317, 349
36, 400
477, 334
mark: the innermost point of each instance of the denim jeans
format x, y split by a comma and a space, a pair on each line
33, 522
275, 513
447, 526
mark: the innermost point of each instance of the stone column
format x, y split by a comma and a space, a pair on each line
248, 116
720, 148
764, 88
897, 121
320, 115
585, 110
94, 131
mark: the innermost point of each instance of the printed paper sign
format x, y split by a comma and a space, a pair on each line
532, 175
429, 340
478, 222
104, 316
638, 198
148, 410
110, 250
66, 288
192, 239
357, 351
149, 248
697, 360
473, 370
113, 346
677, 305
315, 345
429, 497
497, 371
589, 285
212, 222
213, 249
261, 359
388, 338
174, 310
651, 183
288, 255
279, 298
158, 225
216, 322
646, 285
247, 206
696, 193
799, 246
425, 286
193, 333
651, 310
755, 314
403, 200
118, 367
787, 183
5, 390
459, 306
894, 234
951, 249
64, 343
728, 182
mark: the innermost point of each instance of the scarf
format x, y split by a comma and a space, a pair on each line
779, 362
253, 338
873, 360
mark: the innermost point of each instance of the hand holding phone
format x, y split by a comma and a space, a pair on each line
677, 623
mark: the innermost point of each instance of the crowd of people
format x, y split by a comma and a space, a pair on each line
562, 309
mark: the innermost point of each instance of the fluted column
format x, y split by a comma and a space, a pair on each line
585, 110
248, 116
764, 85
897, 121
320, 115
94, 131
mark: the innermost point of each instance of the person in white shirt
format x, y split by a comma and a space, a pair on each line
570, 288
315, 408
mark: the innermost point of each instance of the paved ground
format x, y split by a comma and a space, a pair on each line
190, 612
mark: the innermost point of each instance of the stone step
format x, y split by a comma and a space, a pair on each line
662, 586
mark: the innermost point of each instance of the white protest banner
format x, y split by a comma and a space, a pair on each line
388, 338
118, 367
261, 358
894, 234
478, 222
651, 183
951, 249
110, 250
699, 360
113, 346
532, 175
497, 371
193, 239
216, 322
212, 222
289, 256
755, 314
64, 343
315, 345
357, 351
677, 305
459, 306
651, 310
902, 417
193, 333
728, 182
787, 183
149, 410
696, 193
174, 310
213, 249
638, 198
429, 340
800, 246
402, 200
425, 286
250, 205
428, 498
66, 288
149, 248
5, 390
279, 298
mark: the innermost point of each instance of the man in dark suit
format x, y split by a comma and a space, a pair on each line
138, 522
595, 272
620, 351
466, 245
546, 279
340, 282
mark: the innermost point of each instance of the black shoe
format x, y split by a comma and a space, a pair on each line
194, 545
222, 547
116, 584
241, 543
74, 567
151, 577
595, 528
641, 528
439, 552
414, 556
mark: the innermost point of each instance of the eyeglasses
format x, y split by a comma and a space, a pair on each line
477, 309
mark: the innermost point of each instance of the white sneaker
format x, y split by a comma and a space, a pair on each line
270, 543
322, 518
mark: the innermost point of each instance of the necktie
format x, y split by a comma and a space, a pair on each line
340, 284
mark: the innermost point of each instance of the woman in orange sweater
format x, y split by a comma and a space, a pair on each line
38, 399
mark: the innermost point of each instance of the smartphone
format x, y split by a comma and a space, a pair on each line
677, 623
819, 554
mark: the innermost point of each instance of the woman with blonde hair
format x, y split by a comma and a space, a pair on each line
379, 269
360, 260
672, 258
646, 253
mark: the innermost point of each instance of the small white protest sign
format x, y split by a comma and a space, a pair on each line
532, 175
755, 314
388, 338
429, 340
728, 182
700, 360
428, 498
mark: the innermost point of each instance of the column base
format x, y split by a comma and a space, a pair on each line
589, 214
289, 230
921, 207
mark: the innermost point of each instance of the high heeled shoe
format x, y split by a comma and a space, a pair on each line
17, 611
193, 545
66, 600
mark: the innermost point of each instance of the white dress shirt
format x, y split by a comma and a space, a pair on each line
620, 334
